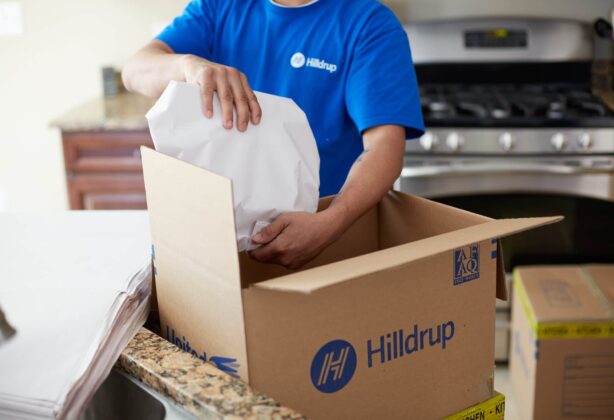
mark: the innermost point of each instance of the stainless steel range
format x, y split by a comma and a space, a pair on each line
509, 107
513, 129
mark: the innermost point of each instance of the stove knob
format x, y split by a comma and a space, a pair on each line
429, 141
506, 141
584, 141
558, 141
454, 141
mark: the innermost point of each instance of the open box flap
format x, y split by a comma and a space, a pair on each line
193, 232
331, 274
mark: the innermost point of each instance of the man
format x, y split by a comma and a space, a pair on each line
346, 63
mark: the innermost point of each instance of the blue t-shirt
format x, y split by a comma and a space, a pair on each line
346, 63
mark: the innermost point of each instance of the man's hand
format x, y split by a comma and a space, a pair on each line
294, 239
155, 65
231, 86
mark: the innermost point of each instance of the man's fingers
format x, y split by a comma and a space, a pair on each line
276, 253
233, 91
224, 92
270, 232
240, 99
207, 86
265, 253
252, 101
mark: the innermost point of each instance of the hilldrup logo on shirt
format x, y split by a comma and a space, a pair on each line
299, 60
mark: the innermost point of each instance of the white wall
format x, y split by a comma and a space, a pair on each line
53, 66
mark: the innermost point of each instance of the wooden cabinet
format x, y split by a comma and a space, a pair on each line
103, 169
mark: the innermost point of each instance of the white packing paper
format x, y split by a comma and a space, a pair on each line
274, 166
76, 287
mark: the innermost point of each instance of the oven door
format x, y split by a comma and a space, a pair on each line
580, 189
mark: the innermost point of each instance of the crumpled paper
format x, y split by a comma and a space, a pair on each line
274, 166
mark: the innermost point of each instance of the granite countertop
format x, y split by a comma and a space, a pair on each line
125, 111
199, 387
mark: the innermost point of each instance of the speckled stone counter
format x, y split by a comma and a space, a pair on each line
198, 387
125, 111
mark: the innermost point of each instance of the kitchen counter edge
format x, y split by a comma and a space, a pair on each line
199, 387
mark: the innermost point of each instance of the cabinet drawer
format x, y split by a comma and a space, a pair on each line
114, 201
104, 151
106, 191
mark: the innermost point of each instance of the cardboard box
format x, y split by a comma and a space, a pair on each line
396, 318
562, 356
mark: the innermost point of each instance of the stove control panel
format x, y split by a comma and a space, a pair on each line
480, 141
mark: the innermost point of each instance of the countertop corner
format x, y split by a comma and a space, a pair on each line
125, 111
199, 387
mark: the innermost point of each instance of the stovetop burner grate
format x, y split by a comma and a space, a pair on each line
509, 105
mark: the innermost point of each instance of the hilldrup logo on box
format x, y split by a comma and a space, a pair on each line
466, 264
334, 364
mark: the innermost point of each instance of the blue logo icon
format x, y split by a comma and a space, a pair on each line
333, 366
466, 264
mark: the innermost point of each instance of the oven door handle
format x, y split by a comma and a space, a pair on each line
507, 168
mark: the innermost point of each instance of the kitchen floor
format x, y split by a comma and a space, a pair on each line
504, 386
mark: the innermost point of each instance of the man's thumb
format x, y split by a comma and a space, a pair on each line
269, 232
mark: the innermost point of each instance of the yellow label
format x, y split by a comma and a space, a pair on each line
560, 330
575, 330
491, 409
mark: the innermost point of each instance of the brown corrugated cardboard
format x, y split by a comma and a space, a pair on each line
394, 319
562, 356
195, 274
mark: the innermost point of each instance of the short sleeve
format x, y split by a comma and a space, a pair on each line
192, 31
381, 86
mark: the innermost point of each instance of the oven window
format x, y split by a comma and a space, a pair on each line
585, 236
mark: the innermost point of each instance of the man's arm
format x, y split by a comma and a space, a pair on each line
294, 239
151, 69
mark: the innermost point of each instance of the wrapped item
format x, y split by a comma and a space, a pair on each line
274, 166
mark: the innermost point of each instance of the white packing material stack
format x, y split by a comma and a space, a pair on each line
76, 287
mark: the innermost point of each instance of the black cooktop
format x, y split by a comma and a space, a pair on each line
512, 105
510, 95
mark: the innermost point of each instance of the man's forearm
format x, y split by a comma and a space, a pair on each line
371, 176
149, 71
